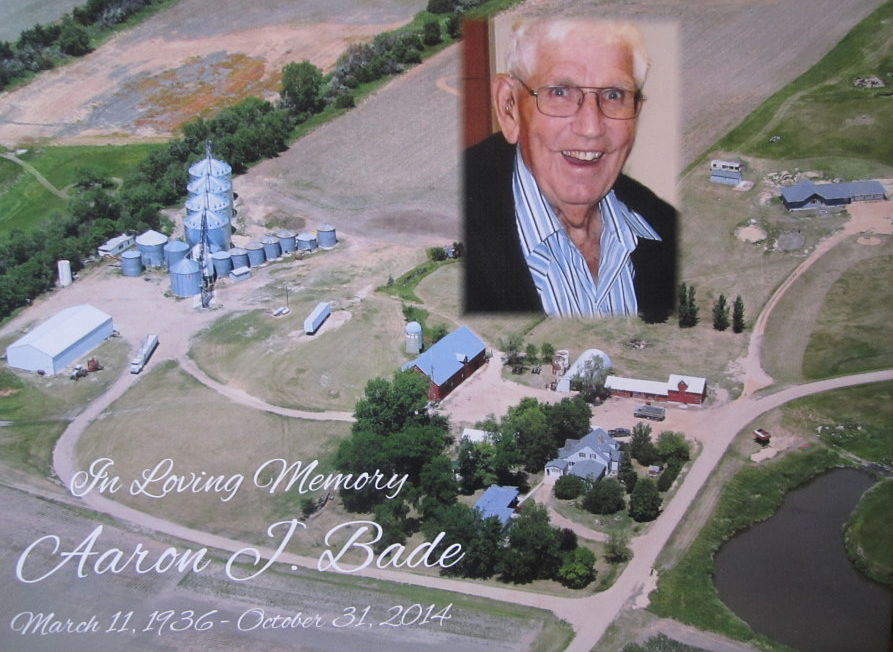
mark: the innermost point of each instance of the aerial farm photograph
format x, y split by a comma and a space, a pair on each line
359, 324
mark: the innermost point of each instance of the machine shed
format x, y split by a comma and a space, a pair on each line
60, 340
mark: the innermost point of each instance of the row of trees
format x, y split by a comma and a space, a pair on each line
687, 310
41, 47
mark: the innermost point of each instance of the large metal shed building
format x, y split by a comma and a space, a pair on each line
60, 340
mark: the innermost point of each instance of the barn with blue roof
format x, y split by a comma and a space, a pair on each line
499, 502
450, 361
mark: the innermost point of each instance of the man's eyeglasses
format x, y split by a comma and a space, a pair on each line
564, 100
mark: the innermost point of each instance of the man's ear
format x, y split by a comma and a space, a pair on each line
505, 105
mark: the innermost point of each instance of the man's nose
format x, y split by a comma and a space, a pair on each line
589, 120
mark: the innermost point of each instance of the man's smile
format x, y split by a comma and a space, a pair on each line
581, 155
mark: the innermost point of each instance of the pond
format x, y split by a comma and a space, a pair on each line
789, 577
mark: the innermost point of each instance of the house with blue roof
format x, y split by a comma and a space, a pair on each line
450, 361
596, 455
807, 195
499, 502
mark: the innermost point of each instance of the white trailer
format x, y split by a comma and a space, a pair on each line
317, 317
144, 353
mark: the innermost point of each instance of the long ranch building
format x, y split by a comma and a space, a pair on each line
450, 361
807, 195
678, 388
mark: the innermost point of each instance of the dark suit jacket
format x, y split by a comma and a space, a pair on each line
496, 276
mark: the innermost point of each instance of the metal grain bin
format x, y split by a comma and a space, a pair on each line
326, 236
223, 263
256, 254
131, 263
272, 250
219, 229
210, 167
239, 257
307, 242
208, 201
287, 240
151, 246
174, 252
215, 185
186, 278
413, 337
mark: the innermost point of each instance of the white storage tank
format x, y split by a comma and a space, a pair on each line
413, 337
64, 269
151, 246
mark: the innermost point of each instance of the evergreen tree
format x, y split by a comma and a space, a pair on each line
682, 305
721, 313
738, 315
692, 309
627, 474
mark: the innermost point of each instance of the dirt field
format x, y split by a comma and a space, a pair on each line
182, 62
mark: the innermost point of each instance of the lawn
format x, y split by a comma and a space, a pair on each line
869, 533
24, 202
854, 329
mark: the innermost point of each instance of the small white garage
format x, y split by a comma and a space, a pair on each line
60, 340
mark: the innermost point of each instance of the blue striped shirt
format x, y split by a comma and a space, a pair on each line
560, 274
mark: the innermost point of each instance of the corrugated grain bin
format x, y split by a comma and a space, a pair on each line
174, 252
315, 319
239, 256
256, 254
216, 185
272, 250
207, 201
223, 263
326, 236
210, 167
131, 263
151, 246
307, 242
186, 278
218, 225
287, 240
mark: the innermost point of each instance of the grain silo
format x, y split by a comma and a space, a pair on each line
327, 237
131, 263
210, 167
256, 254
413, 337
239, 257
272, 250
306, 242
174, 252
209, 201
151, 247
186, 278
223, 263
218, 225
214, 185
286, 240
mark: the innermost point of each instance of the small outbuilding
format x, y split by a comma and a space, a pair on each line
66, 336
499, 502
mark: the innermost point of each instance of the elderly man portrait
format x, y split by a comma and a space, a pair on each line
552, 224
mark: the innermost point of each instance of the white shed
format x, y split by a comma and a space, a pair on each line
60, 340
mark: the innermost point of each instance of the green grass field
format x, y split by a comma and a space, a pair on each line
857, 419
854, 329
822, 114
24, 202
869, 533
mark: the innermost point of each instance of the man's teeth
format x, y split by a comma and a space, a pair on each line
583, 156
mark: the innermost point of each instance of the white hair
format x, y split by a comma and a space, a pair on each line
528, 35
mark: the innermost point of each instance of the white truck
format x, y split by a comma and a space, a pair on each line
143, 353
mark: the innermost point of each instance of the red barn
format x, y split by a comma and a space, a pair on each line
450, 361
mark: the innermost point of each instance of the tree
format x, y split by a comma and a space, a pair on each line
391, 516
526, 423
547, 352
436, 254
669, 474
569, 486
673, 444
590, 382
438, 484
511, 346
618, 550
606, 497
692, 307
686, 309
720, 313
345, 101
431, 34
530, 353
438, 332
74, 40
577, 569
640, 437
533, 551
300, 87
441, 6
454, 26
644, 501
388, 407
738, 315
567, 419
627, 474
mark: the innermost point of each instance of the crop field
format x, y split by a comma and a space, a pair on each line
809, 307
